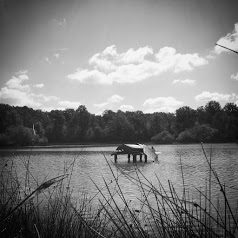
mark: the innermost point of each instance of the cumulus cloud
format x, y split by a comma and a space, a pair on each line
115, 99
234, 76
110, 101
69, 104
132, 66
17, 97
161, 104
90, 76
17, 83
189, 82
126, 108
219, 97
230, 41
170, 59
18, 93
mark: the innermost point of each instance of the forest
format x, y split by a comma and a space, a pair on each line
23, 126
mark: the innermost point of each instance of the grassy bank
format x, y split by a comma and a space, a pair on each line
49, 210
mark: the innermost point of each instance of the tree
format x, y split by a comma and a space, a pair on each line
201, 115
204, 133
59, 129
185, 118
137, 119
231, 109
211, 108
20, 135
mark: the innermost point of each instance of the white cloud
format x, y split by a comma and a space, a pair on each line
210, 56
17, 83
101, 105
44, 98
39, 85
230, 41
189, 82
60, 22
90, 76
48, 60
115, 99
24, 71
17, 93
48, 109
169, 59
135, 65
126, 108
17, 97
208, 96
69, 104
110, 101
234, 76
56, 55
162, 104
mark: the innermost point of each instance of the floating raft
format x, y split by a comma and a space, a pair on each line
130, 149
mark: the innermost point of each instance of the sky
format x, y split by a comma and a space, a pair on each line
129, 55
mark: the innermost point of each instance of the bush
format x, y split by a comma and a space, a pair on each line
4, 139
186, 137
163, 138
42, 141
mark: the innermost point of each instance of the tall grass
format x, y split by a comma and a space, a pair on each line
49, 209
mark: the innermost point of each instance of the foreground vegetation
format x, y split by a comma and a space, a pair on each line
162, 213
211, 123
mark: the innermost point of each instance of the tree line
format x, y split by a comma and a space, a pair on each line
210, 123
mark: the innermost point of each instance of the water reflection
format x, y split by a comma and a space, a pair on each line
132, 167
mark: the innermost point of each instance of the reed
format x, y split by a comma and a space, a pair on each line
163, 212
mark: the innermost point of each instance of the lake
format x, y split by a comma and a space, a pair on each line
90, 166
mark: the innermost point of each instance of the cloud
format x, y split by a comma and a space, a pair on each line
61, 22
18, 98
48, 60
21, 72
169, 59
110, 102
39, 85
126, 108
234, 76
90, 76
109, 59
115, 99
189, 82
208, 96
230, 41
17, 83
17, 93
162, 104
69, 104
56, 55
133, 66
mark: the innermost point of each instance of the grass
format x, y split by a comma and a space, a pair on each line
162, 212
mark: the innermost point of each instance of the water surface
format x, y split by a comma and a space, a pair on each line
181, 164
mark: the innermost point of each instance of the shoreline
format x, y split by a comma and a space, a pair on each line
88, 145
